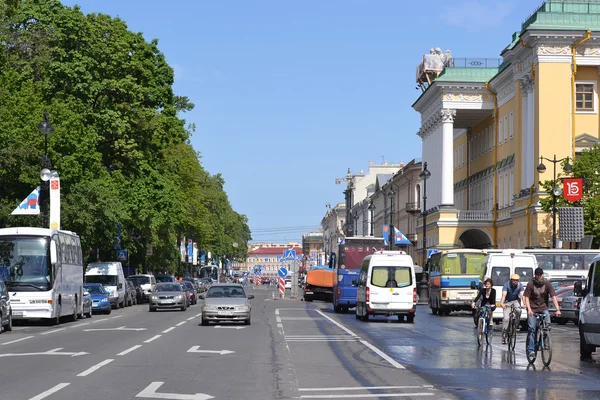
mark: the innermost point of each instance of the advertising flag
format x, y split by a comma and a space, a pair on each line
399, 237
195, 254
386, 234
55, 203
29, 206
573, 189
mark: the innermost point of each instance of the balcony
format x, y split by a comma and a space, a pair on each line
475, 215
413, 208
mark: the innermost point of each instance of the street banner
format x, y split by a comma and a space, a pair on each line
182, 250
195, 254
399, 238
573, 189
31, 204
55, 203
190, 251
386, 234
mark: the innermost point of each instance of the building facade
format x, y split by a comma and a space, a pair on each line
333, 225
486, 123
268, 257
313, 249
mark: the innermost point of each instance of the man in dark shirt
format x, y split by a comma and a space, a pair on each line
536, 295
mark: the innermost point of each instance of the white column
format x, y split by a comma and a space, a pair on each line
530, 134
447, 165
524, 153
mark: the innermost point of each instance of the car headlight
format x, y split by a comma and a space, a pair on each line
179, 297
209, 308
242, 308
154, 297
104, 300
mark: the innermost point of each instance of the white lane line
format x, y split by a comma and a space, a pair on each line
85, 323
318, 336
96, 367
181, 323
168, 330
153, 338
129, 350
333, 321
364, 395
18, 340
52, 331
48, 392
321, 340
333, 389
383, 355
190, 318
198, 315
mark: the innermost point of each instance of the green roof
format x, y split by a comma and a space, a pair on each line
467, 75
565, 15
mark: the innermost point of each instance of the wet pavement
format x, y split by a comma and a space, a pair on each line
444, 351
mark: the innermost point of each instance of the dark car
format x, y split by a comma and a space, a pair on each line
165, 278
132, 296
191, 292
5, 309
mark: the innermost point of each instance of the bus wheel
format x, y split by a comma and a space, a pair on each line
56, 320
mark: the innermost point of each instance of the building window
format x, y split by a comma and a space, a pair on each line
511, 187
500, 131
511, 126
584, 97
505, 128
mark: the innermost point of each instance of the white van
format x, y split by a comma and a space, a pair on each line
146, 282
387, 286
500, 266
110, 275
589, 311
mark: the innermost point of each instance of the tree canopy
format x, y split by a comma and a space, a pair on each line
120, 144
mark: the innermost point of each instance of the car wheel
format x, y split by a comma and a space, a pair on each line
8, 326
107, 312
585, 350
151, 309
204, 322
247, 322
183, 308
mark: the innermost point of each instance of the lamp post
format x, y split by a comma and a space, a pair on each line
371, 210
556, 191
392, 235
424, 290
47, 130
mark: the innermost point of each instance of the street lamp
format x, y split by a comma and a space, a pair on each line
392, 236
424, 286
556, 190
371, 210
47, 130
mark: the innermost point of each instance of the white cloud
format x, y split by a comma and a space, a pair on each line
477, 15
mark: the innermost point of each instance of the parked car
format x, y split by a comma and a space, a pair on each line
100, 301
131, 293
190, 290
165, 278
87, 304
168, 295
569, 309
146, 282
226, 302
5, 309
561, 291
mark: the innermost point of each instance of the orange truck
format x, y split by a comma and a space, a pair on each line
319, 284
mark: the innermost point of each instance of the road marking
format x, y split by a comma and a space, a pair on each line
18, 340
196, 349
150, 392
333, 321
53, 352
85, 323
229, 327
318, 336
121, 328
96, 367
168, 330
48, 392
181, 323
383, 355
52, 331
300, 319
190, 318
129, 350
332, 389
198, 315
364, 395
153, 338
321, 340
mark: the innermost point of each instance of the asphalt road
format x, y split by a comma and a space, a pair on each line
292, 350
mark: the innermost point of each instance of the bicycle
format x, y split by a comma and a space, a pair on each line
483, 328
542, 341
511, 329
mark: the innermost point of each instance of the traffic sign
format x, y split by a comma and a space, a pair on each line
122, 255
289, 255
282, 272
431, 251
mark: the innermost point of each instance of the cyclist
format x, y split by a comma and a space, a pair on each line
512, 293
536, 295
487, 294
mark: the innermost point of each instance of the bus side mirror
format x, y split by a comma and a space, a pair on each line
473, 285
53, 253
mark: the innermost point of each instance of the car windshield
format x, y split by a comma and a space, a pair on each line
226, 291
140, 280
188, 285
94, 289
165, 278
24, 264
168, 287
104, 280
394, 277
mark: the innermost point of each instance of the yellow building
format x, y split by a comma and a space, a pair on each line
486, 123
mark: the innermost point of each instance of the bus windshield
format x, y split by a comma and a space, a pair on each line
564, 260
462, 264
24, 263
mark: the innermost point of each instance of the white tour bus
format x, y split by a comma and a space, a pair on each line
43, 271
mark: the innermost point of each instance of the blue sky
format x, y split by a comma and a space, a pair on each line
289, 94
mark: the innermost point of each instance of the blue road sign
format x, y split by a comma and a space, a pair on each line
431, 251
122, 255
289, 255
282, 272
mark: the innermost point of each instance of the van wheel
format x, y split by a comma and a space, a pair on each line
337, 309
400, 318
585, 350
356, 315
410, 318
434, 311
365, 316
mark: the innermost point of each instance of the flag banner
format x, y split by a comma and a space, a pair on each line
386, 234
29, 206
195, 254
182, 250
54, 203
399, 238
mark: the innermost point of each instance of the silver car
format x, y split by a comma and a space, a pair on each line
167, 295
226, 302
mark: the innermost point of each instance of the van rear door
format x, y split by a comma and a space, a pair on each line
344, 284
391, 287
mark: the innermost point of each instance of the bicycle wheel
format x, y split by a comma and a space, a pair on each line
546, 349
489, 334
512, 338
480, 328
